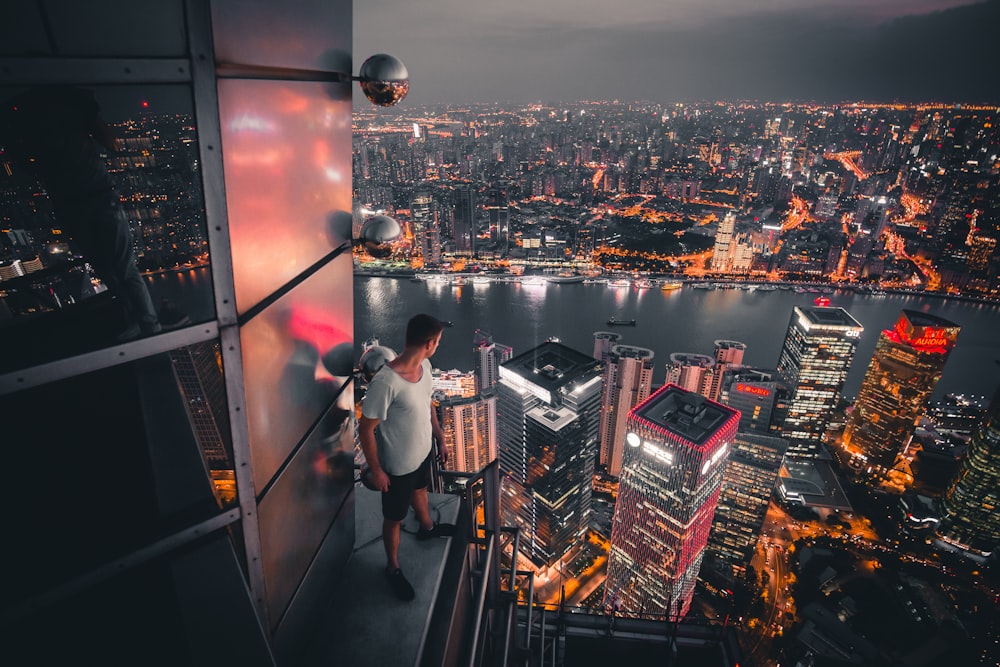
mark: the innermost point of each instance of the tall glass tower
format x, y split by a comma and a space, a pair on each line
548, 409
904, 370
815, 358
749, 477
971, 518
677, 444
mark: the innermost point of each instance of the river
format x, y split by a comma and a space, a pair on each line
682, 320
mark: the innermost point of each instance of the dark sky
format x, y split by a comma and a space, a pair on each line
460, 51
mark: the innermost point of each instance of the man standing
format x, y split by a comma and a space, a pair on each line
397, 429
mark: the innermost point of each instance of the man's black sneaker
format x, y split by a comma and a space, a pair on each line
400, 586
439, 530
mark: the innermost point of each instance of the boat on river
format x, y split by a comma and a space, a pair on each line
615, 322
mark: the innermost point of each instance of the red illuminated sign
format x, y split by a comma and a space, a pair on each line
750, 389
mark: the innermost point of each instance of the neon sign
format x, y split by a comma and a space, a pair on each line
750, 389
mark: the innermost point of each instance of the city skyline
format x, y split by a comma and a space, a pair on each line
780, 50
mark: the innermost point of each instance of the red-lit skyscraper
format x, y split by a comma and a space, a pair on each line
906, 366
676, 447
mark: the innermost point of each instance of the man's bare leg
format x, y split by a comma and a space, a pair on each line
421, 508
390, 538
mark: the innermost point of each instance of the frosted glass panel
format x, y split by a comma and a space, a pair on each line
287, 158
291, 358
294, 33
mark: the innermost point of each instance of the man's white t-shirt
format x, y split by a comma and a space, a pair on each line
403, 408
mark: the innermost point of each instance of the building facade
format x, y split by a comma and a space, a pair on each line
905, 369
971, 518
761, 395
693, 372
815, 358
487, 357
469, 424
548, 414
677, 444
628, 377
747, 483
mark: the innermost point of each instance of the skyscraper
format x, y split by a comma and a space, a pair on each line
677, 443
423, 215
603, 342
694, 372
488, 357
548, 405
469, 426
722, 260
971, 520
728, 353
761, 395
815, 358
465, 219
904, 370
628, 377
747, 482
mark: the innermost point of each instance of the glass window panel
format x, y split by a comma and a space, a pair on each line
294, 33
287, 162
112, 460
312, 489
22, 32
117, 28
103, 233
296, 355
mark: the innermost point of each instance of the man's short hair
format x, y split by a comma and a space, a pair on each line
422, 329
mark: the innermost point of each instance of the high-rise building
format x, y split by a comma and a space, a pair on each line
488, 355
906, 366
761, 396
423, 215
815, 358
722, 254
694, 372
728, 353
603, 342
971, 520
628, 377
465, 220
747, 483
469, 424
548, 411
672, 468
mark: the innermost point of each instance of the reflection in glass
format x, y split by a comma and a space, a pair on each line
100, 191
198, 369
287, 162
291, 368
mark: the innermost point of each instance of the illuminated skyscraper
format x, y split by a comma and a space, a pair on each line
693, 372
469, 425
465, 220
971, 505
423, 215
904, 370
750, 474
761, 395
815, 358
548, 410
628, 377
722, 259
488, 357
677, 443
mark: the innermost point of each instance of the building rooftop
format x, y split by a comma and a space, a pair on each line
828, 316
919, 319
550, 366
686, 414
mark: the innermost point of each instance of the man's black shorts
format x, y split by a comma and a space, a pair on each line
396, 501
